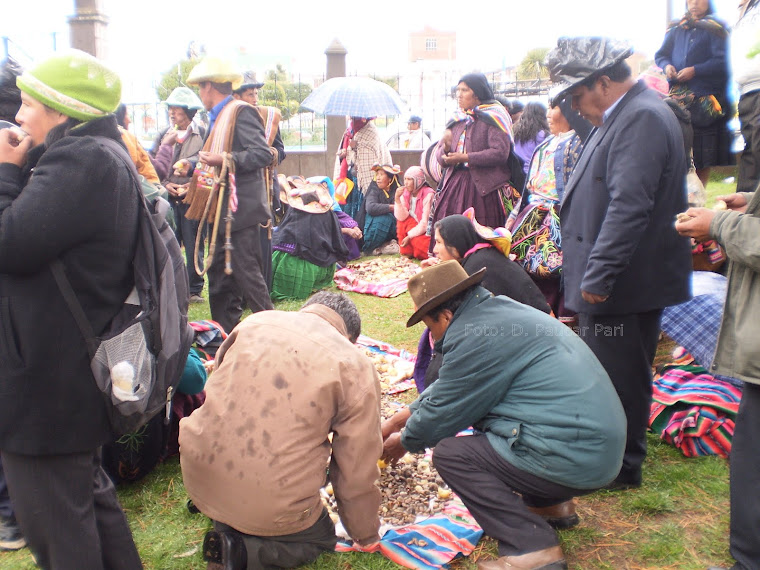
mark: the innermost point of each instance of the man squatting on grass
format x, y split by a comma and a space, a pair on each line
528, 396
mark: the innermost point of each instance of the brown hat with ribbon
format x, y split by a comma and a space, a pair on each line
304, 196
437, 284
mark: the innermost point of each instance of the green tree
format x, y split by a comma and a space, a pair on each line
278, 91
532, 66
273, 95
391, 80
297, 91
175, 77
279, 74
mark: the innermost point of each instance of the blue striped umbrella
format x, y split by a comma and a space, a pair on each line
355, 97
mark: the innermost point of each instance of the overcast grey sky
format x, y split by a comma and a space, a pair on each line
147, 37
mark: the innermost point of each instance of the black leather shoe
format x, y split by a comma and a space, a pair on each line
192, 508
621, 483
224, 551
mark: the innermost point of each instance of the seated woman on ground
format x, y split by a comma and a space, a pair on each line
457, 238
376, 213
352, 233
308, 242
412, 210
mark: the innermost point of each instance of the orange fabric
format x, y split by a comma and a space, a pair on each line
139, 156
419, 245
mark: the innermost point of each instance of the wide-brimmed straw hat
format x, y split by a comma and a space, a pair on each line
437, 284
391, 169
305, 196
500, 238
217, 70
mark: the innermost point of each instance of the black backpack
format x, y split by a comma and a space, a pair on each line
138, 361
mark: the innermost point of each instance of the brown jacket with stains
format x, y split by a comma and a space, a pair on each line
256, 453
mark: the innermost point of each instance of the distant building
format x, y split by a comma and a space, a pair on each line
432, 44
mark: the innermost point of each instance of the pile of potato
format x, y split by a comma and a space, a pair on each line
379, 269
412, 488
391, 369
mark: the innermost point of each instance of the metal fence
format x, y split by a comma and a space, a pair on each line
431, 95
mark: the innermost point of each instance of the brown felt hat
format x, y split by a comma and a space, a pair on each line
437, 284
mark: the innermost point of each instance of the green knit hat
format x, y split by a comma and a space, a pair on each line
73, 83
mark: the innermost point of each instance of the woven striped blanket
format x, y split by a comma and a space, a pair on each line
431, 543
694, 411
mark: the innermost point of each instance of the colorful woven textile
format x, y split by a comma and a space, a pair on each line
391, 351
492, 113
537, 240
381, 346
207, 332
209, 335
429, 544
693, 411
351, 278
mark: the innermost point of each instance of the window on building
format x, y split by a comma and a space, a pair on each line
431, 44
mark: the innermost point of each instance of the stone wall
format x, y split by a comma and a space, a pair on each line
317, 163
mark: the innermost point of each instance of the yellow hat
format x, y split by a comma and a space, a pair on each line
215, 69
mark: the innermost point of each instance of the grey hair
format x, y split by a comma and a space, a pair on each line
342, 305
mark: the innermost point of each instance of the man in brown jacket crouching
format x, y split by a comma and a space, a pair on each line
255, 455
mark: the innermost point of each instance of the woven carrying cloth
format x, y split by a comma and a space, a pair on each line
206, 177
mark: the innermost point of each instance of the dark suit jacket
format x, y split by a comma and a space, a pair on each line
250, 153
618, 212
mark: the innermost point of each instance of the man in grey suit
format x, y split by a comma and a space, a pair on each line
623, 261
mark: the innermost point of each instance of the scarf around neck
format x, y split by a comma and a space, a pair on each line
709, 23
491, 112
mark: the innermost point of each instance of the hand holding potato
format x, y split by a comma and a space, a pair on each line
182, 167
697, 225
736, 202
393, 450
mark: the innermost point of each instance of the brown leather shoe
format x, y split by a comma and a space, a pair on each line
560, 516
546, 559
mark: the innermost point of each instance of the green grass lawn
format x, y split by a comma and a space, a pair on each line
678, 519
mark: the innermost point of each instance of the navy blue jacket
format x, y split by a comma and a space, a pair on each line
706, 51
618, 213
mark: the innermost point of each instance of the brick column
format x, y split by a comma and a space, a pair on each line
88, 28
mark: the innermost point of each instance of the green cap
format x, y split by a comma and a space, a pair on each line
184, 97
73, 83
